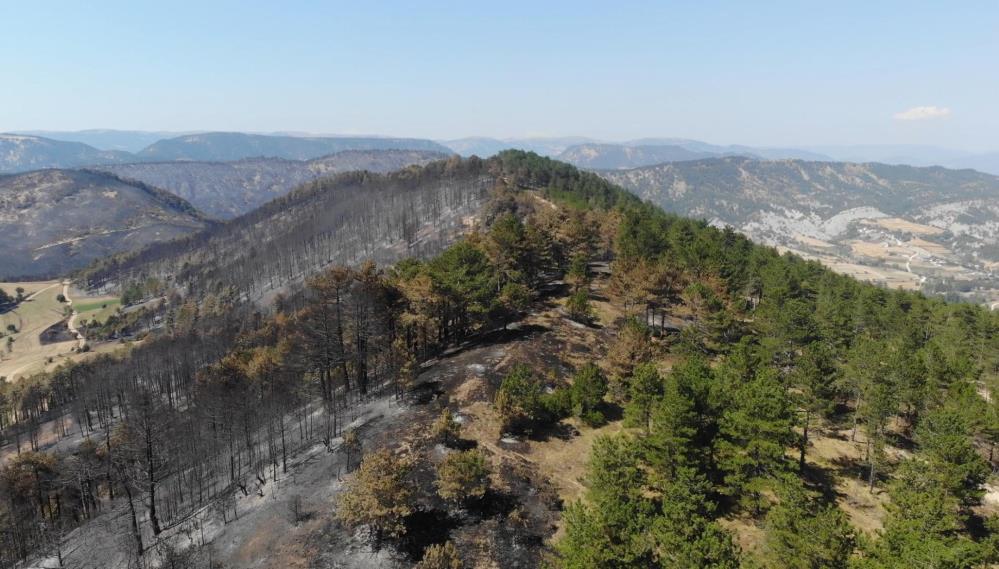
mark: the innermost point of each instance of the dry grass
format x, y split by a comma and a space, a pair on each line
834, 453
748, 534
811, 241
878, 250
32, 317
930, 247
898, 224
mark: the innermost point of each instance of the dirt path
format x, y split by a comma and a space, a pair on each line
71, 324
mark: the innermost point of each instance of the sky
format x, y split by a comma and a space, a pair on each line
762, 73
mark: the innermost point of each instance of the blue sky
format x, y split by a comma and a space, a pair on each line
764, 73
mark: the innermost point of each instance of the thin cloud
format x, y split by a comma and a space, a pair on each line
922, 113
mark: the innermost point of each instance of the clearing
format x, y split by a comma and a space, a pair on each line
41, 312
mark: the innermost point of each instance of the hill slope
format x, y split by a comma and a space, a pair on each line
220, 146
869, 213
229, 189
343, 219
54, 221
20, 153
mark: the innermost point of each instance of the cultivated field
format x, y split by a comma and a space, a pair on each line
898, 224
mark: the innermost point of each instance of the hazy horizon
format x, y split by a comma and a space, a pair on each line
726, 73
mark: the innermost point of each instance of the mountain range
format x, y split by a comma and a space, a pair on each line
586, 152
23, 152
216, 146
914, 155
107, 139
27, 150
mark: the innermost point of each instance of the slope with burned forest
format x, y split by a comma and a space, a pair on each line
229, 189
342, 219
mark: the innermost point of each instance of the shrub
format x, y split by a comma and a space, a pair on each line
579, 307
378, 496
589, 386
558, 404
519, 399
440, 557
463, 476
445, 430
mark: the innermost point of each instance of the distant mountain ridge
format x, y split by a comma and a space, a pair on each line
107, 139
20, 153
484, 147
25, 152
55, 221
915, 155
228, 189
617, 156
228, 146
586, 152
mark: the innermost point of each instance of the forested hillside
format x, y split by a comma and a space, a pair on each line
56, 221
703, 380
229, 189
342, 219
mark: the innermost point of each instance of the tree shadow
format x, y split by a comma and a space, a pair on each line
821, 480
977, 527
849, 467
900, 440
560, 430
462, 444
423, 529
516, 331
425, 392
556, 289
494, 503
612, 411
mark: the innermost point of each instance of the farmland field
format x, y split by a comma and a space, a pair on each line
22, 352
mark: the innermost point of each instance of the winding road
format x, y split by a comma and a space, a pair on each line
71, 324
